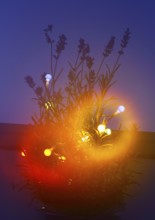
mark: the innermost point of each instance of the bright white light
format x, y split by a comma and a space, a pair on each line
101, 128
108, 131
48, 77
120, 109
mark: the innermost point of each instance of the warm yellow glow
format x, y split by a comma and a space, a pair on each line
48, 105
23, 154
108, 131
101, 128
85, 138
62, 158
47, 152
119, 146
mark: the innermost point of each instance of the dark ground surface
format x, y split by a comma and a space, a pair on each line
16, 205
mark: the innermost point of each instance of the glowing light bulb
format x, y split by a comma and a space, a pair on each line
101, 128
23, 154
85, 138
108, 131
120, 109
48, 105
63, 158
47, 152
48, 78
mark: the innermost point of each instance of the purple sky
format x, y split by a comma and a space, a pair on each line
23, 49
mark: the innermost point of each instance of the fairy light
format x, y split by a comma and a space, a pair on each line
101, 128
120, 109
48, 105
63, 158
23, 154
48, 78
108, 131
48, 152
85, 138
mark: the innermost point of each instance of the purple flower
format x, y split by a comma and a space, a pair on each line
30, 81
108, 49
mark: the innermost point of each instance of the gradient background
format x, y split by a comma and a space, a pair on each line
23, 49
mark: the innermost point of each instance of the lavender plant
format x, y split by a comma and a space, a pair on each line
66, 153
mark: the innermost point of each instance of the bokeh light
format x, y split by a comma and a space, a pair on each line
101, 128
47, 152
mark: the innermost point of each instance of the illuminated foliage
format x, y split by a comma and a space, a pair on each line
74, 161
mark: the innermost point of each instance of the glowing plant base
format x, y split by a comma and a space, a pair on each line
73, 173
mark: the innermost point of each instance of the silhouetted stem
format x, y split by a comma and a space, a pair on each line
77, 59
51, 59
98, 71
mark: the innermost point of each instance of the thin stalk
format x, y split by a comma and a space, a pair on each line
116, 63
55, 68
51, 59
77, 60
100, 67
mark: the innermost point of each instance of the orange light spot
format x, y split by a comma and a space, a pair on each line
62, 158
23, 154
